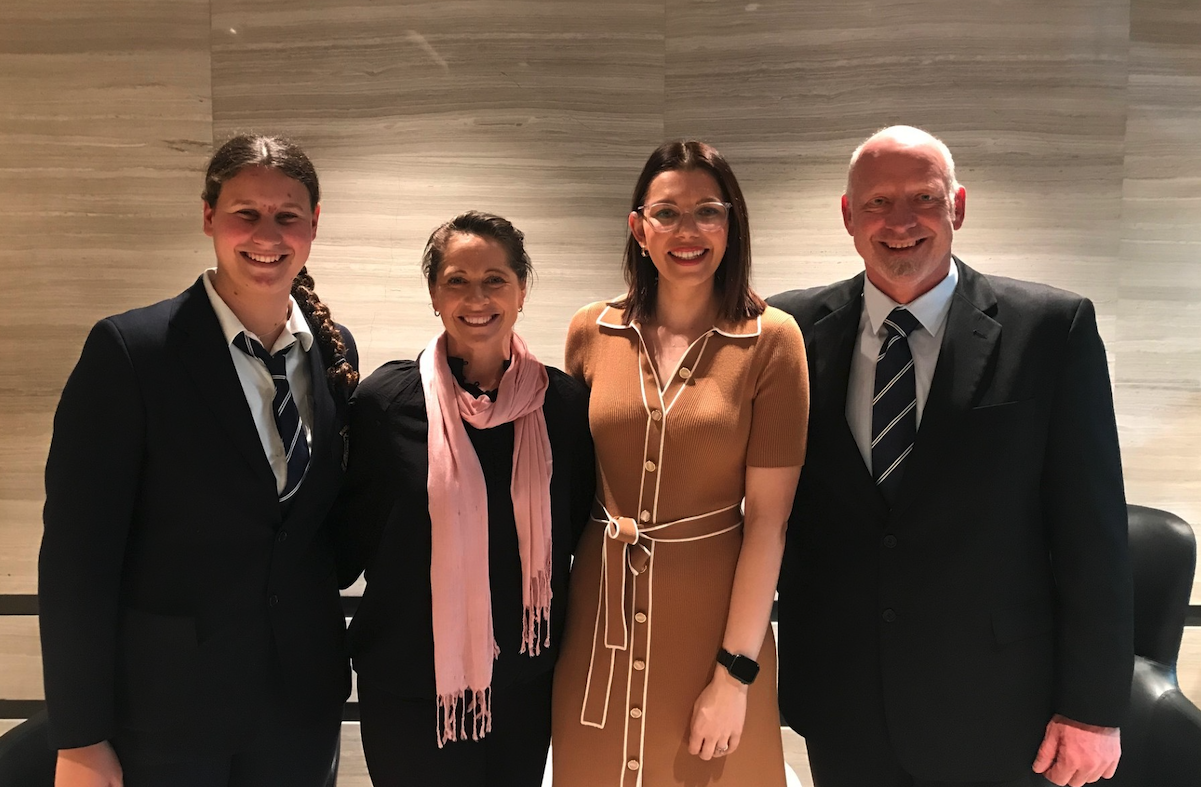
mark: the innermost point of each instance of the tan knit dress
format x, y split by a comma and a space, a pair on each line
650, 588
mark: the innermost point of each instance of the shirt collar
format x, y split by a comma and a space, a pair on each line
930, 308
611, 317
295, 328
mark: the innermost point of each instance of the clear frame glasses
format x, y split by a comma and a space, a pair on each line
666, 217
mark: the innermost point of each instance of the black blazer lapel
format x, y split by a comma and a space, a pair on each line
969, 345
830, 344
203, 352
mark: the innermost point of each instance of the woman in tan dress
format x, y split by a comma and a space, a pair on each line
699, 401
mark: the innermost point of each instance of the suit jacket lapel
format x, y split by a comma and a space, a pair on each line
830, 346
964, 360
203, 352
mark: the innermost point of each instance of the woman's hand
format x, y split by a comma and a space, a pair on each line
717, 716
88, 766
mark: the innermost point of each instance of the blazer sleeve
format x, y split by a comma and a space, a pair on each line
1085, 509
92, 476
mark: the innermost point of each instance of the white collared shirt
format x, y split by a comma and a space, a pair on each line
256, 381
930, 309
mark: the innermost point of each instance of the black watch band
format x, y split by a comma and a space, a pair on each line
743, 669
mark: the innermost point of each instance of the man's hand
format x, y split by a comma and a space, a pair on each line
88, 766
1077, 754
717, 717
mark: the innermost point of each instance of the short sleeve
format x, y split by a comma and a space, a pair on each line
780, 410
575, 353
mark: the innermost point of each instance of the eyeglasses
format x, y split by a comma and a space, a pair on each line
666, 217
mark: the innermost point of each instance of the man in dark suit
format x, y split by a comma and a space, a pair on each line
955, 599
192, 629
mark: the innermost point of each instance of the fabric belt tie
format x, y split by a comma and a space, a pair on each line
627, 548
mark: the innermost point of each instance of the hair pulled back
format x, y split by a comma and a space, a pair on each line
481, 225
285, 156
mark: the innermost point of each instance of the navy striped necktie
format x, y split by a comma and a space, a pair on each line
287, 416
894, 404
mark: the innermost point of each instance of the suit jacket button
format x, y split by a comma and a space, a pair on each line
890, 541
283, 536
271, 602
889, 616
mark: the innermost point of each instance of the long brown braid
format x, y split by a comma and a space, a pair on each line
333, 347
278, 153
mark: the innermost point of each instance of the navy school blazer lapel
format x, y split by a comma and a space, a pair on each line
830, 344
969, 345
204, 353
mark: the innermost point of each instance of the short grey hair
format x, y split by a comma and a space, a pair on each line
914, 136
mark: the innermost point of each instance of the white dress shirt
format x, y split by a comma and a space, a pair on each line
256, 381
930, 309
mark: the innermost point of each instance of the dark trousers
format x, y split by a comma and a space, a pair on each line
290, 750
869, 760
401, 745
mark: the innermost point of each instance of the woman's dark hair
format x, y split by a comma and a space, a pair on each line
482, 225
733, 277
247, 150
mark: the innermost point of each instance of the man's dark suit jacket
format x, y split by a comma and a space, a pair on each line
177, 596
997, 590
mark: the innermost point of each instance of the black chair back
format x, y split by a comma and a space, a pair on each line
26, 758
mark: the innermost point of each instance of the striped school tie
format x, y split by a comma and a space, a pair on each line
894, 404
287, 416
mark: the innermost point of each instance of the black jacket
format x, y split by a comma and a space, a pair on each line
997, 590
385, 515
176, 594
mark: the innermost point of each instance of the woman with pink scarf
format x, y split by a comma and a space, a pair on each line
469, 480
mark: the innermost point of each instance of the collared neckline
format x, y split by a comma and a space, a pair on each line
295, 327
930, 308
612, 317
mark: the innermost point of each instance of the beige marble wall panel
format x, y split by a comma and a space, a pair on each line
1030, 96
20, 658
1188, 667
414, 112
104, 124
1158, 353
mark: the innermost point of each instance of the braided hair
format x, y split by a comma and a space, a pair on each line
278, 153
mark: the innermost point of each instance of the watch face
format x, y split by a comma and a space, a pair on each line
744, 669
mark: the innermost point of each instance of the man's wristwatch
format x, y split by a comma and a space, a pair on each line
743, 669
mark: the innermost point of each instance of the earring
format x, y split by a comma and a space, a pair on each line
644, 254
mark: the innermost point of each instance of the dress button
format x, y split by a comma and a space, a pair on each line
650, 466
685, 373
273, 600
639, 664
632, 765
645, 516
889, 616
635, 713
890, 541
640, 617
656, 415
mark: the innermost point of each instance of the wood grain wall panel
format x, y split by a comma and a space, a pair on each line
20, 658
1158, 355
104, 126
414, 112
1029, 96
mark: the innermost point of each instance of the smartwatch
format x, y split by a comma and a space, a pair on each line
743, 669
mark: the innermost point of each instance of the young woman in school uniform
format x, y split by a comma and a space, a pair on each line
192, 632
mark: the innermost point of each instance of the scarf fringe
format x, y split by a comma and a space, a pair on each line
463, 711
535, 615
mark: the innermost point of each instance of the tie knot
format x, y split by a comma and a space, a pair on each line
276, 364
901, 322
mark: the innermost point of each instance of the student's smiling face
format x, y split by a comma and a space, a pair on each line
262, 227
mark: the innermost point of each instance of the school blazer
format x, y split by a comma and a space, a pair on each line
997, 590
177, 597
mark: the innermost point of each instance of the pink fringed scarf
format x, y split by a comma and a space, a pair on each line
464, 645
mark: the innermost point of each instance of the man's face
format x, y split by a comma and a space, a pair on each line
902, 215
